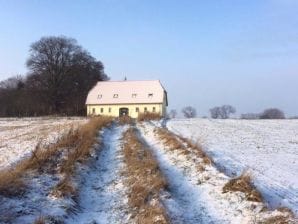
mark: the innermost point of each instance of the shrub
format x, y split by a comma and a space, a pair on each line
272, 113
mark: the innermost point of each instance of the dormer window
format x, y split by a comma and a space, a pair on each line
99, 96
134, 95
115, 96
150, 95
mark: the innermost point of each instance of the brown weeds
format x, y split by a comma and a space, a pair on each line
11, 183
186, 146
280, 219
145, 179
148, 116
125, 120
169, 139
243, 184
40, 220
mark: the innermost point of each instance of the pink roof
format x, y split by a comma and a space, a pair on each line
126, 92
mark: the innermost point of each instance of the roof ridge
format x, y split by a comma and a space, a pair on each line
151, 80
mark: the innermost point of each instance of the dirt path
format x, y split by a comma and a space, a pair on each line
103, 195
197, 196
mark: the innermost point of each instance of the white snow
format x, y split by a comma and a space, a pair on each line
268, 149
18, 137
103, 194
197, 197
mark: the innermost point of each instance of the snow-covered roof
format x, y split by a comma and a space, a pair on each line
126, 92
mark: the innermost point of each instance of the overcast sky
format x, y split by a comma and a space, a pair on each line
206, 53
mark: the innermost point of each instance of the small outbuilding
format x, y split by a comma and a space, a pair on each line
127, 98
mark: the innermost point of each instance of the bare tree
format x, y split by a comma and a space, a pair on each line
222, 112
60, 75
272, 113
215, 112
173, 113
189, 112
62, 72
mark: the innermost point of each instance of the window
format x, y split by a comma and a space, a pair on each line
93, 110
137, 109
99, 96
101, 110
145, 109
115, 96
150, 95
153, 109
110, 109
134, 95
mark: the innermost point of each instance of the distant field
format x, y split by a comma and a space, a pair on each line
18, 137
267, 149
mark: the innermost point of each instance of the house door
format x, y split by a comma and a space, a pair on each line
123, 112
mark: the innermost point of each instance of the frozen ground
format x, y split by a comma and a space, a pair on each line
18, 137
196, 196
103, 194
267, 149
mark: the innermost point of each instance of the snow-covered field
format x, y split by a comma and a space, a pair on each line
18, 137
267, 149
193, 195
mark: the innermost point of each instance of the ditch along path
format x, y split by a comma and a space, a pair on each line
103, 194
195, 186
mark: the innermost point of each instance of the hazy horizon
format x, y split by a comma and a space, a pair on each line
243, 53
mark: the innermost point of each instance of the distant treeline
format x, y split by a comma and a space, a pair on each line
60, 74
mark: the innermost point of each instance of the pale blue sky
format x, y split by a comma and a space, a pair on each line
206, 53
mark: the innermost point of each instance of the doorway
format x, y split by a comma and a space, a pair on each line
123, 112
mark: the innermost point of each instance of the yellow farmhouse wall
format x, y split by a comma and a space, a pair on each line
113, 110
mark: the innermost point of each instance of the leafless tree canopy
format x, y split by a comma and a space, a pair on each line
272, 113
189, 112
60, 75
222, 112
173, 114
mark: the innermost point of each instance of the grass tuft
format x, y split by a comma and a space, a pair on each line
11, 183
243, 184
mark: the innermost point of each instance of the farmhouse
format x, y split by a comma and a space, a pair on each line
120, 98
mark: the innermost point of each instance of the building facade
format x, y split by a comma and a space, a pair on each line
120, 98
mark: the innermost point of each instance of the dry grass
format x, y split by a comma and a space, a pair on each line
148, 116
244, 184
280, 219
78, 144
170, 139
11, 183
125, 120
197, 149
145, 179
40, 220
185, 145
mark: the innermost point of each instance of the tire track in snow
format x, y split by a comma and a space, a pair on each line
103, 195
182, 200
